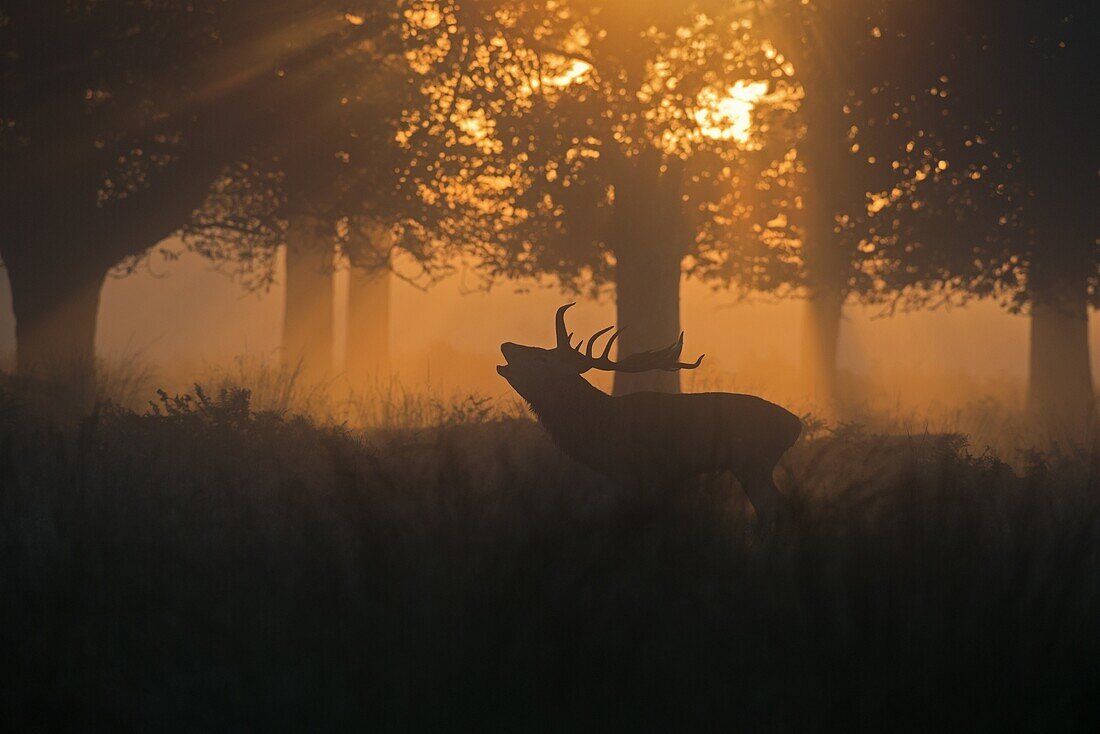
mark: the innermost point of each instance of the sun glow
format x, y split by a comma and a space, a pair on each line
729, 116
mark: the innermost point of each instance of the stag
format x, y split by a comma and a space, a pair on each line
647, 436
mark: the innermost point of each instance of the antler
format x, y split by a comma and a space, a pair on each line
667, 359
563, 334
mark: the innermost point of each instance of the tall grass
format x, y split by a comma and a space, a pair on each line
383, 402
209, 565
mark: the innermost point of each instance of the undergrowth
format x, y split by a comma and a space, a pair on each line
205, 565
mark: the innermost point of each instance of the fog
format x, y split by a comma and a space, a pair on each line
181, 319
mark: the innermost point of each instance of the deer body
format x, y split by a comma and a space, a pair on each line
652, 437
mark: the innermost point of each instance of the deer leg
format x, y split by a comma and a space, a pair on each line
767, 501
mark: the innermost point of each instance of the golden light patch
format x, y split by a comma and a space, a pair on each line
728, 116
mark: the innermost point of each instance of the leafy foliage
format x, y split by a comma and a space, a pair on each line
332, 162
216, 120
953, 184
882, 215
549, 123
1017, 72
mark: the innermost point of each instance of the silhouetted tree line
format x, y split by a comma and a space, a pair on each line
901, 154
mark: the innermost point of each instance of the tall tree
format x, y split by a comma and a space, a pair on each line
605, 142
1021, 161
327, 187
865, 71
142, 118
1026, 65
117, 117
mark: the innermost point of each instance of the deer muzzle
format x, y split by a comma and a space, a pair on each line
509, 350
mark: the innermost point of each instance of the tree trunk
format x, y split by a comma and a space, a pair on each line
648, 250
1060, 390
647, 290
824, 151
308, 313
821, 320
55, 307
368, 339
826, 271
825, 289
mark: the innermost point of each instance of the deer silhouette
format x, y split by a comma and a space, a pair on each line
647, 436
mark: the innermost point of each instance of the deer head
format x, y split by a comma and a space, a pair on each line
534, 371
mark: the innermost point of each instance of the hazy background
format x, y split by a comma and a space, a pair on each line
180, 319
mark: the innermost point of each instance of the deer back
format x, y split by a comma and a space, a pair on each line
670, 436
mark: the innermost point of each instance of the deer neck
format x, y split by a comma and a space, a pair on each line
562, 410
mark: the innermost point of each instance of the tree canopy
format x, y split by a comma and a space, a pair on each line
116, 119
335, 161
544, 116
1013, 149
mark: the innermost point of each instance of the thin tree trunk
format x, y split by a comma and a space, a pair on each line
368, 338
55, 327
308, 312
648, 254
1060, 390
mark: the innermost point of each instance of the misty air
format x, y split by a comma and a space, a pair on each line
549, 365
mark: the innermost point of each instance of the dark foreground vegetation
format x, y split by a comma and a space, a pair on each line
205, 567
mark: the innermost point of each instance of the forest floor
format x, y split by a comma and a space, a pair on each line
209, 566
